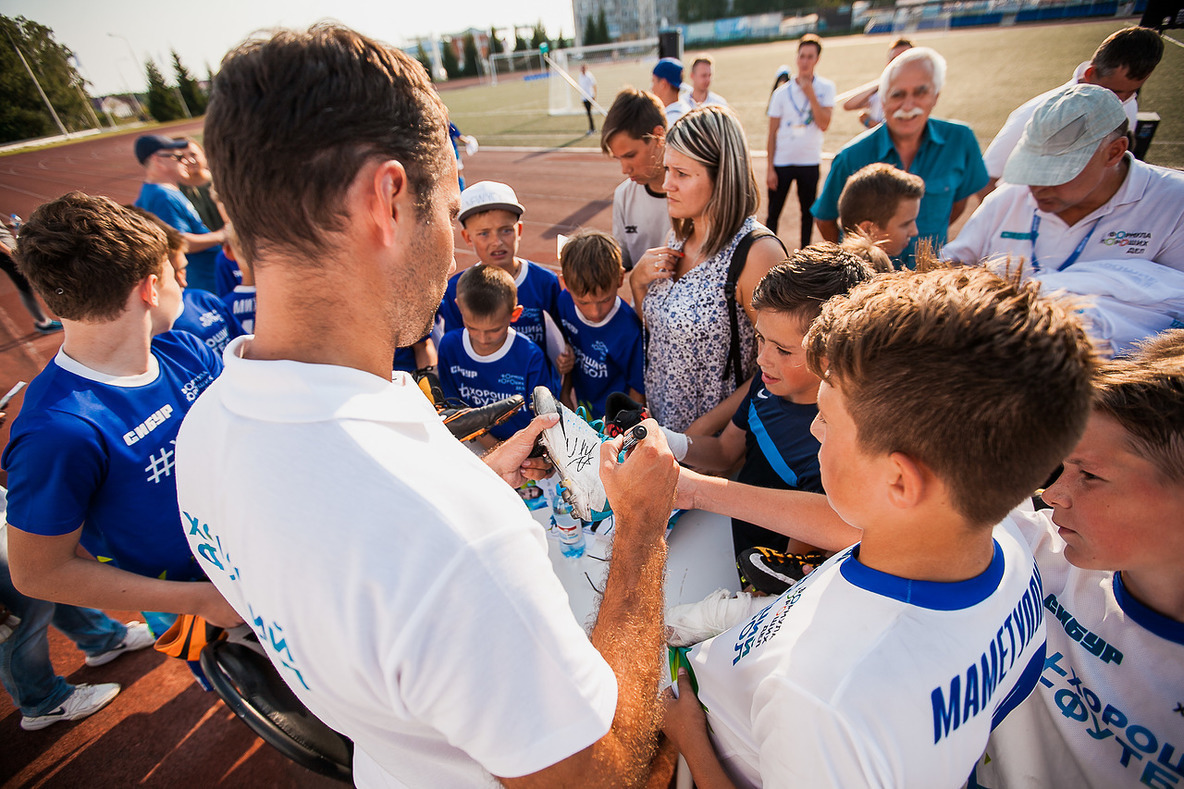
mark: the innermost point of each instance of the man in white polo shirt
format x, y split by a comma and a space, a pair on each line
1074, 193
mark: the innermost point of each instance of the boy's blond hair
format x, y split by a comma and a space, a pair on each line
486, 291
873, 193
591, 263
978, 378
1144, 393
861, 245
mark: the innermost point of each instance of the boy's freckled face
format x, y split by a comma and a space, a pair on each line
494, 236
782, 359
847, 470
595, 306
1113, 508
901, 228
487, 334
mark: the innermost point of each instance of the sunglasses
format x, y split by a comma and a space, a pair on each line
180, 157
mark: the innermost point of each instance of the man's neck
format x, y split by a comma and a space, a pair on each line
121, 347
159, 180
907, 147
1112, 181
700, 96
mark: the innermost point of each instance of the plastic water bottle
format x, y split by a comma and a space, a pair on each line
568, 527
16, 222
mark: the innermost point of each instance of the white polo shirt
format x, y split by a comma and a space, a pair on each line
995, 157
1144, 219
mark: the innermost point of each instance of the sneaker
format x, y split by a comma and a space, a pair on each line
772, 572
138, 636
85, 700
469, 423
574, 447
49, 327
622, 412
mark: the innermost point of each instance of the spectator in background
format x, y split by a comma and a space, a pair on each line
197, 184
702, 70
634, 133
666, 84
867, 96
41, 322
165, 167
587, 84
799, 112
1121, 63
944, 153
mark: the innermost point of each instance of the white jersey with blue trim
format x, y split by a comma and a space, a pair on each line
514, 369
854, 677
98, 451
1108, 711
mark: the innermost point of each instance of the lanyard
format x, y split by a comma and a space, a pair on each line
1069, 261
805, 113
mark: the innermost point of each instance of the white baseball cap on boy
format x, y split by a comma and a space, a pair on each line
488, 196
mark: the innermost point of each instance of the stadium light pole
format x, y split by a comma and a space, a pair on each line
132, 52
44, 98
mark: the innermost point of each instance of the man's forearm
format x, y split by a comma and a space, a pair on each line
795, 513
199, 242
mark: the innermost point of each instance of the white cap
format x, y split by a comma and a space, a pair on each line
488, 196
1063, 134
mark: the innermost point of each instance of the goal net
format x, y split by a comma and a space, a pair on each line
526, 63
563, 71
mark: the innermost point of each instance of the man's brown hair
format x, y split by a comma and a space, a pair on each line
703, 58
874, 192
801, 284
174, 239
85, 254
635, 112
810, 38
293, 118
1144, 393
486, 291
591, 263
1138, 48
979, 378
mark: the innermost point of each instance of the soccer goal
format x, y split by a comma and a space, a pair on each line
522, 64
563, 71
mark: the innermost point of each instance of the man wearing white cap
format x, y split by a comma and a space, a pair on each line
1074, 193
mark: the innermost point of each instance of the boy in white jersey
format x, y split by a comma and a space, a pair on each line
90, 462
947, 397
1109, 708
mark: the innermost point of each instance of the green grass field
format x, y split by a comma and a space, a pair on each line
991, 71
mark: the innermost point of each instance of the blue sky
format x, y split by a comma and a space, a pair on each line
204, 30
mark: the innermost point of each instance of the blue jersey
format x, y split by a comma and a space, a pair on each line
610, 355
227, 275
100, 455
171, 207
517, 368
538, 293
780, 452
241, 303
208, 319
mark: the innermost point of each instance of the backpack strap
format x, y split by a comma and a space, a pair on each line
735, 267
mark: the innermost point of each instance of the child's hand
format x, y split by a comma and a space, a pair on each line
565, 361
683, 720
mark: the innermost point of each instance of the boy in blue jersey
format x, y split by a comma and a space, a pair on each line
487, 360
491, 222
92, 505
166, 164
771, 428
203, 314
947, 398
604, 331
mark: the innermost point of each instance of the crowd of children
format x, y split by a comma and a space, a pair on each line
915, 412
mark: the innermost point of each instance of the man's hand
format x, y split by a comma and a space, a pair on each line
212, 607
8, 623
640, 489
510, 460
771, 179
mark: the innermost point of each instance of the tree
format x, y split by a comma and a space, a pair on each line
472, 57
422, 56
23, 114
592, 32
496, 47
520, 44
602, 28
162, 100
195, 98
448, 57
561, 42
539, 36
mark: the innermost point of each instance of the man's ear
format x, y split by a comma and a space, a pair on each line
387, 199
147, 290
869, 229
1116, 150
911, 481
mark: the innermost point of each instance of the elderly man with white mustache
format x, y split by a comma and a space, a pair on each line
945, 154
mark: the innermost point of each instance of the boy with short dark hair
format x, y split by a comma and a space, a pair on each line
771, 428
90, 462
947, 397
491, 222
604, 331
1107, 710
487, 360
882, 202
634, 134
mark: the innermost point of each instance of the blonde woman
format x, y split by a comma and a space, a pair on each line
711, 194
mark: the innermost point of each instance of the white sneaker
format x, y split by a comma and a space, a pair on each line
574, 448
138, 636
85, 700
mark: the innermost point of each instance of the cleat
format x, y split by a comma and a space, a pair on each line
469, 423
772, 572
574, 448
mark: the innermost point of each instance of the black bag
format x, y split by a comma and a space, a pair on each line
734, 365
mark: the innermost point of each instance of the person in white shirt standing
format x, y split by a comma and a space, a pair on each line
587, 84
702, 70
799, 113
